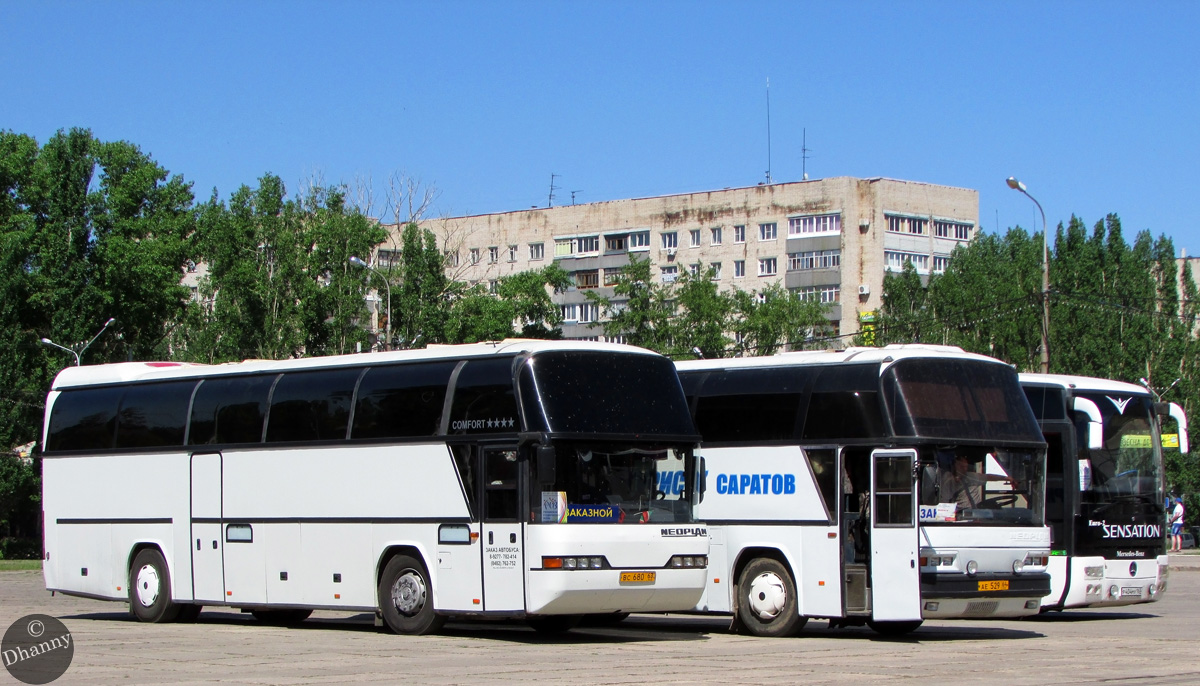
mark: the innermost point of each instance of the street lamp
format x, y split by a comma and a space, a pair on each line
357, 262
1018, 186
85, 346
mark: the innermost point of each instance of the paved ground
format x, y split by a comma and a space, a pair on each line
1148, 644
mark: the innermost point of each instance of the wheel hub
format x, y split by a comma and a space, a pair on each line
768, 595
148, 585
408, 593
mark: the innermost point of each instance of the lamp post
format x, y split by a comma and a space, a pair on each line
357, 262
1016, 185
77, 353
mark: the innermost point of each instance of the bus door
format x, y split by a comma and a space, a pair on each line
207, 546
895, 575
503, 542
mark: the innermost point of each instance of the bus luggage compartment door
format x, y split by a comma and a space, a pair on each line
895, 575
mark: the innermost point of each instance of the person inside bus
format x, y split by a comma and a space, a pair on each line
961, 484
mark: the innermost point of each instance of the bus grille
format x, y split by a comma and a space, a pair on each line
981, 608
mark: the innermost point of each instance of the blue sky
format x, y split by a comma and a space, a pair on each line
1094, 105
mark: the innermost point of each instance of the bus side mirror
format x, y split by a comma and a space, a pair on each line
1162, 409
702, 479
1095, 422
1176, 413
547, 460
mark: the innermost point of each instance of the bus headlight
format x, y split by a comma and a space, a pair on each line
1095, 572
575, 562
688, 561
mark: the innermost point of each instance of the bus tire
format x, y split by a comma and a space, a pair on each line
281, 617
894, 628
554, 624
406, 598
150, 588
767, 599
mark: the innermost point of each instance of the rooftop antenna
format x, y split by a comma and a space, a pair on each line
573, 195
768, 130
804, 154
550, 202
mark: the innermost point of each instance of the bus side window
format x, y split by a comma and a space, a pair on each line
464, 460
500, 471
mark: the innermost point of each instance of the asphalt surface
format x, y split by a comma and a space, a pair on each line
1144, 644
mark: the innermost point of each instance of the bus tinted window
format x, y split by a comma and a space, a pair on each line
230, 410
748, 404
312, 406
154, 415
484, 400
84, 419
401, 400
958, 399
845, 404
1047, 403
581, 391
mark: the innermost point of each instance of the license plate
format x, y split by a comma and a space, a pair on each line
637, 577
1131, 590
1001, 585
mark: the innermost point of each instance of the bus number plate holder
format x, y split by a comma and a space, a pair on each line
637, 577
1001, 585
1127, 591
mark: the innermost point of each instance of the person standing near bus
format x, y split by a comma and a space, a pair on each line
1177, 526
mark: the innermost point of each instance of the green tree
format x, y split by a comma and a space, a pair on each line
767, 320
425, 295
703, 316
639, 310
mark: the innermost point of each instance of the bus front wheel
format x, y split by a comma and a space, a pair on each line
767, 599
150, 588
406, 598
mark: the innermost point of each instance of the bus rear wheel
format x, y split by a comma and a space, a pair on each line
150, 588
406, 598
767, 599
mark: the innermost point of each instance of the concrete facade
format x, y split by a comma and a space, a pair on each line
829, 239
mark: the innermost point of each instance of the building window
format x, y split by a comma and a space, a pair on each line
670, 239
739, 234
694, 269
815, 224
766, 266
694, 234
944, 228
615, 244
588, 312
384, 259
570, 313
824, 294
611, 276
493, 255
940, 262
588, 279
639, 240
451, 258
537, 251
716, 270
739, 268
577, 247
909, 225
768, 232
512, 253
474, 256
670, 274
894, 261
715, 235
817, 259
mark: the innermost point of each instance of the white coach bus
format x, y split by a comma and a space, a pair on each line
1104, 488
494, 480
871, 485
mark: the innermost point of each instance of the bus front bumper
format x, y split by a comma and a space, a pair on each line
952, 596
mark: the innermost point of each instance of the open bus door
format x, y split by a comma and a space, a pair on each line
895, 575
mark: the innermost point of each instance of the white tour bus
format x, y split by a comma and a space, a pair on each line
496, 480
1104, 488
871, 485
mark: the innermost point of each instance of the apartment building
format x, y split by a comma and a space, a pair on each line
829, 239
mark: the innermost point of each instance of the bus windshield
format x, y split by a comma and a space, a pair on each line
592, 392
981, 485
1128, 467
618, 484
958, 400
